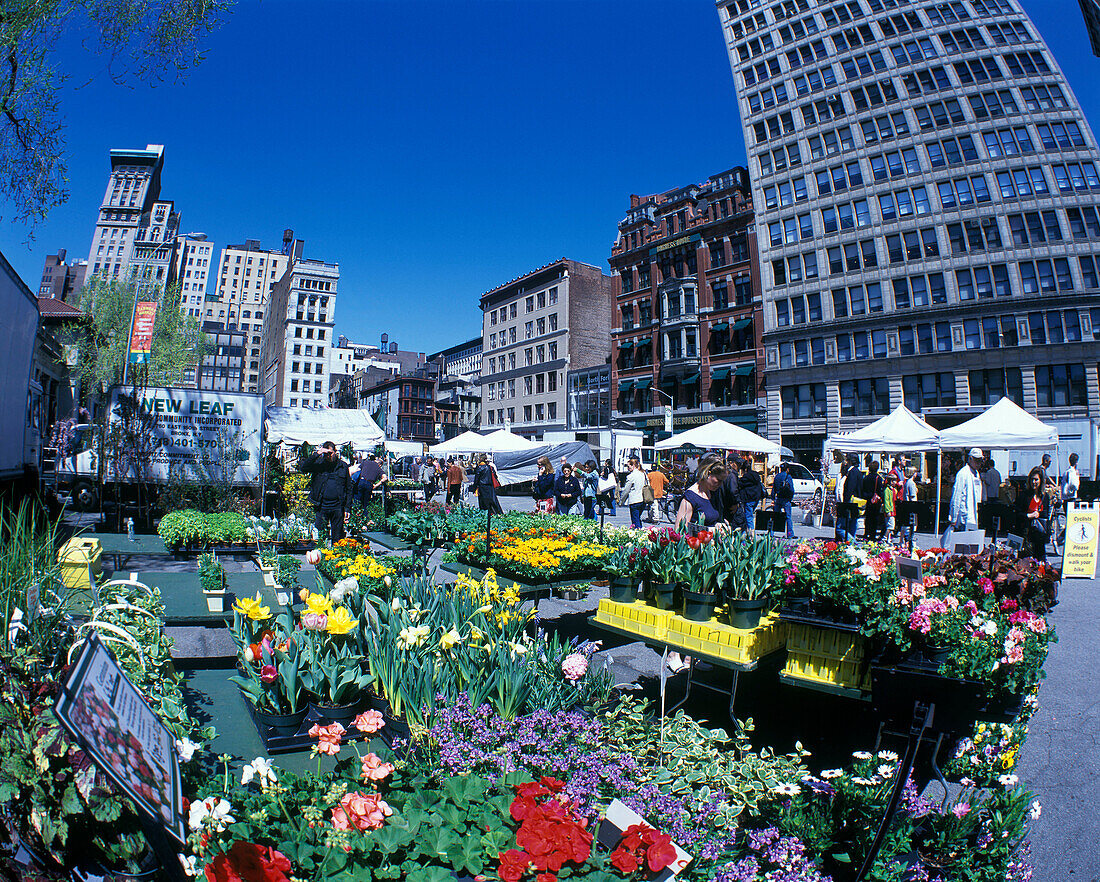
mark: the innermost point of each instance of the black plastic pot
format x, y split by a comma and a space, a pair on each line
745, 614
282, 725
699, 605
664, 595
337, 713
622, 589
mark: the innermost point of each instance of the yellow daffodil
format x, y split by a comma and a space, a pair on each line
254, 609
448, 640
517, 648
410, 637
340, 621
475, 634
318, 603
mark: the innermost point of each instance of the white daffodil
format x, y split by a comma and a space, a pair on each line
832, 773
186, 748
517, 648
1035, 810
260, 769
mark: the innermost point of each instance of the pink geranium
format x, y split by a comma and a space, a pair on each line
328, 738
370, 721
360, 811
374, 769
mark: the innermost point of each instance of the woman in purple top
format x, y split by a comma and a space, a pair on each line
698, 501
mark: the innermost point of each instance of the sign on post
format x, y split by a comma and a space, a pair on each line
126, 740
1082, 527
141, 334
668, 418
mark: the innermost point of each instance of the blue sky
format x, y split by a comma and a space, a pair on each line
434, 150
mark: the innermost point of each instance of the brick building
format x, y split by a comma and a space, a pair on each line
688, 309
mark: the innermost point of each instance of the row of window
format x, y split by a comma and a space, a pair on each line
531, 355
537, 413
532, 385
729, 390
531, 303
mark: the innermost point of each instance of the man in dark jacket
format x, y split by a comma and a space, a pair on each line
369, 476
751, 490
330, 489
853, 486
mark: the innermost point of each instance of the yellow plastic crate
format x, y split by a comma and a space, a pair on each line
714, 638
81, 562
638, 617
826, 656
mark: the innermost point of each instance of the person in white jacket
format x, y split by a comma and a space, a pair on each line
632, 492
965, 496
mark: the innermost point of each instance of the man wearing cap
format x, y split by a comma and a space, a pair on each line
965, 496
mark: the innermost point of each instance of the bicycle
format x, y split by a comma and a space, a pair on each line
669, 505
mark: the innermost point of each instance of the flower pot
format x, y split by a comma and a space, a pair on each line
283, 725
215, 601
699, 605
934, 654
622, 589
745, 614
664, 595
337, 713
283, 597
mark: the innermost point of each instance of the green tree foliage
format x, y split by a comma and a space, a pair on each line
99, 343
141, 40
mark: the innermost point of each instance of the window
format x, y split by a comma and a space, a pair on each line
929, 390
865, 397
803, 402
1061, 385
989, 386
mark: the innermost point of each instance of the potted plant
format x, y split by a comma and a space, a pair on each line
273, 683
621, 568
286, 577
334, 672
709, 565
268, 561
665, 567
212, 580
757, 565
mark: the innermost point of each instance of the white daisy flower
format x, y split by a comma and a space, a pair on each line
1035, 810
864, 781
888, 755
884, 771
832, 773
861, 755
1008, 780
787, 790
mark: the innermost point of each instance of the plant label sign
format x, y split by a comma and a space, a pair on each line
1082, 528
108, 717
618, 820
909, 569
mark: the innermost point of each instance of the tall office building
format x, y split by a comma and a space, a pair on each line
130, 204
245, 278
297, 332
926, 192
61, 280
193, 269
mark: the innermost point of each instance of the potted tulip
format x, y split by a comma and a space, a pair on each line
705, 568
756, 569
333, 670
621, 569
272, 682
212, 580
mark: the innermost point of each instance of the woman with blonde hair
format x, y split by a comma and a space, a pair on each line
699, 498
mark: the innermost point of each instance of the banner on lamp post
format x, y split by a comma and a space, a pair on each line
141, 333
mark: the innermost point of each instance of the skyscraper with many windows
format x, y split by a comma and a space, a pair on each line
926, 191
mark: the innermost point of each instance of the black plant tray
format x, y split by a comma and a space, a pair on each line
896, 688
301, 740
786, 614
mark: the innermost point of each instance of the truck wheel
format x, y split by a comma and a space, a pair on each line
85, 497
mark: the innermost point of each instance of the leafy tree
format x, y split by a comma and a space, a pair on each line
99, 342
144, 40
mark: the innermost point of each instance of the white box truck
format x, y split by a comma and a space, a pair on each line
157, 434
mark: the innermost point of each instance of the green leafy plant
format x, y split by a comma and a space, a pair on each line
211, 574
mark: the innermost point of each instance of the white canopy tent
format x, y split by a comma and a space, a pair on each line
504, 441
468, 442
720, 435
1003, 426
898, 431
293, 425
404, 448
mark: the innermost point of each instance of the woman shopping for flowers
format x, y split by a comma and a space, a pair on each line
632, 492
544, 487
1035, 506
698, 499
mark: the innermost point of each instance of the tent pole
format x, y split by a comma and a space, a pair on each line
939, 487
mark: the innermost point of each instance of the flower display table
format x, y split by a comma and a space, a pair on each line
527, 591
827, 658
184, 603
386, 540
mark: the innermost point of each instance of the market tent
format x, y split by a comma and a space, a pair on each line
1003, 426
404, 448
293, 425
898, 431
515, 468
504, 441
468, 442
720, 435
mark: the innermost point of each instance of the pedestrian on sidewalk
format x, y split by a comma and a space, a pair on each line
962, 514
658, 480
456, 477
632, 492
782, 495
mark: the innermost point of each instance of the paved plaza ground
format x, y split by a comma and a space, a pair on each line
1060, 761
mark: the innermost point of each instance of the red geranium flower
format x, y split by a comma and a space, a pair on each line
513, 865
249, 862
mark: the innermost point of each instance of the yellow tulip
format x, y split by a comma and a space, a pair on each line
246, 606
318, 603
340, 622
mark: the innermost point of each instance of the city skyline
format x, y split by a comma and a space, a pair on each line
533, 185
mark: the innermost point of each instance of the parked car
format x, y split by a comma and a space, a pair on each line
806, 483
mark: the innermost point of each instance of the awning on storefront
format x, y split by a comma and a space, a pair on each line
644, 341
744, 370
691, 378
626, 344
741, 324
721, 373
625, 385
644, 384
721, 326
